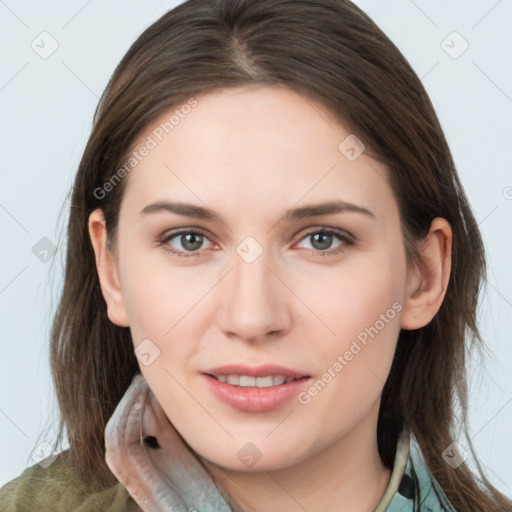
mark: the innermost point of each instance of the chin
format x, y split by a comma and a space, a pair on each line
247, 456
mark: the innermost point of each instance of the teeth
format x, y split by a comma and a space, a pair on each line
233, 379
259, 382
246, 381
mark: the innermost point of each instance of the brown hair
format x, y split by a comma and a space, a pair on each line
331, 52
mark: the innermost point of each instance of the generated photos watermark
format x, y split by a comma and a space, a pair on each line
151, 142
343, 360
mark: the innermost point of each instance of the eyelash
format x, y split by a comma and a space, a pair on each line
347, 241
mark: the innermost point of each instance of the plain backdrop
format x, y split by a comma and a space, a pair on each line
56, 60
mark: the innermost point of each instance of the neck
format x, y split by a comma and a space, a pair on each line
347, 475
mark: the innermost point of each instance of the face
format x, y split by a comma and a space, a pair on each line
264, 283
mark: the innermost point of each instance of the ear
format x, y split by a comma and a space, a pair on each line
427, 284
106, 266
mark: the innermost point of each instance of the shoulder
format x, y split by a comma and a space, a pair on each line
55, 488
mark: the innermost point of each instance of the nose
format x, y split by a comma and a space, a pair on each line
255, 305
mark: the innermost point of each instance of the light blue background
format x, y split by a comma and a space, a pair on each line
46, 111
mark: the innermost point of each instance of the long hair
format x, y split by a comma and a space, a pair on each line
331, 52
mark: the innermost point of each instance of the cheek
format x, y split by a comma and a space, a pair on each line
363, 313
366, 292
156, 294
169, 308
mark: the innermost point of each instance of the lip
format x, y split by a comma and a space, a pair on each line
255, 371
254, 399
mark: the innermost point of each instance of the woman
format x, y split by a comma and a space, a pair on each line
202, 354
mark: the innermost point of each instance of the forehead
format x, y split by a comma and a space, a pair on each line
254, 147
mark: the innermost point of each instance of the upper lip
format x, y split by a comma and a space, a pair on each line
255, 371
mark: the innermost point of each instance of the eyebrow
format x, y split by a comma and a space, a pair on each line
294, 214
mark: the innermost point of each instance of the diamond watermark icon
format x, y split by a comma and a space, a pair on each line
249, 454
44, 250
146, 352
454, 45
44, 45
43, 455
249, 249
351, 147
454, 455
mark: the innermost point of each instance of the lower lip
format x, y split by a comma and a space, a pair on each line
253, 399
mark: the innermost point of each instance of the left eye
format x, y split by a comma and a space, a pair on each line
322, 240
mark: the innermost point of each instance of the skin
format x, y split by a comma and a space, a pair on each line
250, 154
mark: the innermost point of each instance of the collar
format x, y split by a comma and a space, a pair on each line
412, 488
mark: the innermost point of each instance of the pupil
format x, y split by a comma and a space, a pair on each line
327, 240
191, 246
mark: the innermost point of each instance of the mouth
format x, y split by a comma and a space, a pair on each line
247, 381
255, 389
263, 376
